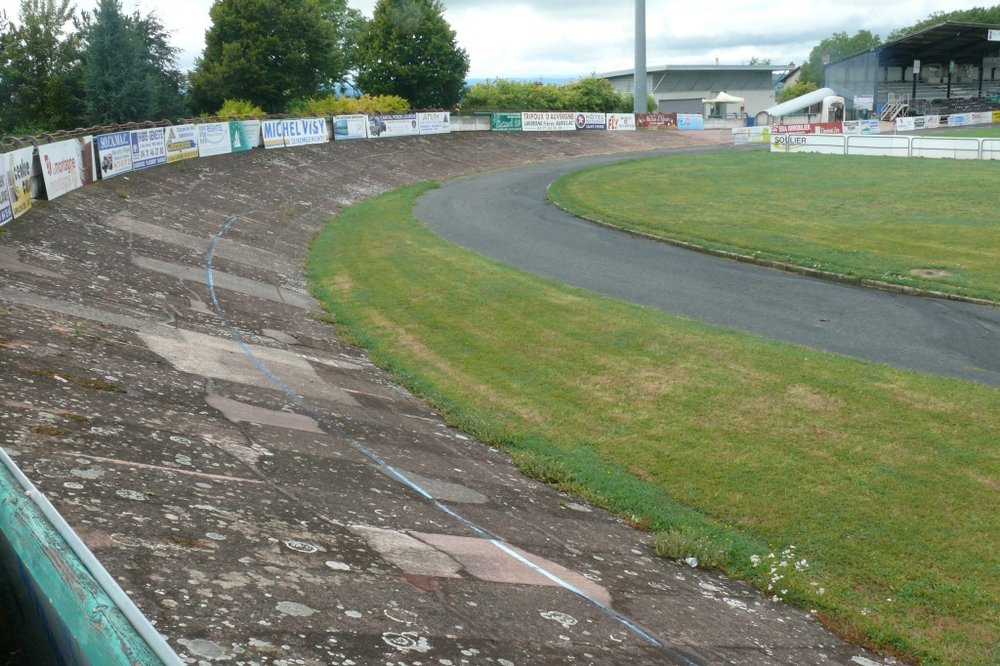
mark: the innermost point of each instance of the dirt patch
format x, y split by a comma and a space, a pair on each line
930, 272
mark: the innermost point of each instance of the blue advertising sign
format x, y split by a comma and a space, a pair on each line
114, 154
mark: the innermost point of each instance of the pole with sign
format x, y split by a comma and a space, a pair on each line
916, 73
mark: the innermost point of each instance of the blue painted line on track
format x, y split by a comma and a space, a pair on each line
402, 478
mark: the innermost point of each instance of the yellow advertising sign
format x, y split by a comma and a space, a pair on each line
996, 116
18, 164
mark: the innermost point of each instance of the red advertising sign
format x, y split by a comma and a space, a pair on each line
656, 120
808, 128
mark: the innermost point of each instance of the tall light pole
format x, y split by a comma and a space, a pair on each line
639, 95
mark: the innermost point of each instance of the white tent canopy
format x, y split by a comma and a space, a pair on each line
723, 98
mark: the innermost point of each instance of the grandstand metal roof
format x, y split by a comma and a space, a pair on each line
961, 42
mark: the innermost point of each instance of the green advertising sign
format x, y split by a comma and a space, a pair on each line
505, 122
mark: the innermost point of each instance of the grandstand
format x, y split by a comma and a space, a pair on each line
957, 71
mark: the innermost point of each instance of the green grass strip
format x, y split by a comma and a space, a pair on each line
727, 445
925, 223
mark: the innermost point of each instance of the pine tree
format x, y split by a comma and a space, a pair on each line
409, 49
118, 82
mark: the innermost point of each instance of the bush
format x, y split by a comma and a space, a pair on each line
587, 94
333, 106
239, 107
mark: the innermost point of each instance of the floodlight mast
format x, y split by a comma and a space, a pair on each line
639, 95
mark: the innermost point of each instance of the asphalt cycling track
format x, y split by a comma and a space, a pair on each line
504, 215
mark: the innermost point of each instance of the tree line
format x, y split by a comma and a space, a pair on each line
61, 68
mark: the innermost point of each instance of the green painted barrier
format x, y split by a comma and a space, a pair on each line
78, 617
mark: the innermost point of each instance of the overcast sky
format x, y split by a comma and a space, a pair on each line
561, 38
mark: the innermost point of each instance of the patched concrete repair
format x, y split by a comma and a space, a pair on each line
264, 493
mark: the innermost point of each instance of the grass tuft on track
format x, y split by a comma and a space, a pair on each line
878, 489
925, 223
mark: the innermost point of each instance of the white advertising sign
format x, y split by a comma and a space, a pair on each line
958, 120
392, 124
214, 139
993, 35
830, 144
548, 121
621, 122
350, 127
434, 122
294, 132
149, 147
114, 154
67, 165
864, 102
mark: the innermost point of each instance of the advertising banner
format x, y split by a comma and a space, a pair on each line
6, 210
808, 128
348, 128
392, 124
291, 132
744, 135
182, 143
114, 154
548, 121
996, 116
505, 122
149, 147
861, 127
918, 122
434, 122
864, 102
67, 165
591, 121
621, 122
830, 144
244, 135
980, 117
214, 139
957, 120
656, 120
690, 121
17, 165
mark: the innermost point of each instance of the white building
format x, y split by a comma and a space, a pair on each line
681, 88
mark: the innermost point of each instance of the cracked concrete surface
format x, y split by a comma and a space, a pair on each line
252, 528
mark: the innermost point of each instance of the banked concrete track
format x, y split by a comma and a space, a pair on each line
152, 331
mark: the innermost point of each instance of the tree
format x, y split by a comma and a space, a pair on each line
797, 89
756, 61
117, 82
270, 53
128, 63
973, 15
409, 49
833, 48
41, 76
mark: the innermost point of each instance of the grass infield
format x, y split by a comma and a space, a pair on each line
865, 493
925, 223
